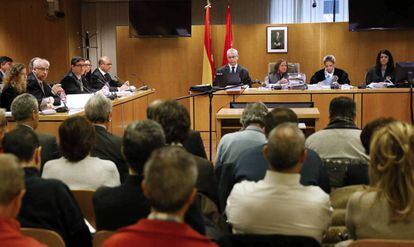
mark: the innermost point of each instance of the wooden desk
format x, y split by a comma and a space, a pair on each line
370, 103
124, 111
228, 120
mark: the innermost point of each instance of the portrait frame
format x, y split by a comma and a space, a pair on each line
277, 39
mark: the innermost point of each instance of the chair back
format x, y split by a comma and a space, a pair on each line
100, 237
225, 177
344, 171
292, 67
44, 236
274, 240
382, 243
84, 200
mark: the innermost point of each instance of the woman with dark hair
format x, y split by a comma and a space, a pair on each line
77, 168
15, 83
384, 69
279, 73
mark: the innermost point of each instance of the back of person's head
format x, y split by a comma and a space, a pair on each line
342, 107
174, 119
3, 124
170, 176
98, 108
253, 114
369, 130
24, 106
391, 169
11, 181
140, 139
22, 142
151, 108
75, 60
285, 147
278, 116
77, 137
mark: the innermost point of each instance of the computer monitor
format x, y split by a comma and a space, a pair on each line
404, 72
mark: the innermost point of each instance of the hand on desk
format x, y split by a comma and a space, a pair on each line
124, 86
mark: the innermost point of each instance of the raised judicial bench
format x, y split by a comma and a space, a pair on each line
125, 110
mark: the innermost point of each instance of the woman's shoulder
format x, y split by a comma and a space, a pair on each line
106, 164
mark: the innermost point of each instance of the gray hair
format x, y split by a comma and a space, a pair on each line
98, 108
170, 176
23, 106
254, 113
31, 63
234, 51
329, 58
11, 178
286, 144
39, 62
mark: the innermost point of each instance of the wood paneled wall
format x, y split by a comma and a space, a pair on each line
26, 32
172, 65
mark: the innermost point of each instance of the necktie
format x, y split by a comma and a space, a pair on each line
233, 69
107, 79
41, 87
80, 84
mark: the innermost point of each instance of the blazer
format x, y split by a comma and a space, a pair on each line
126, 204
7, 96
320, 76
108, 147
373, 76
97, 81
223, 75
194, 144
39, 92
71, 84
206, 180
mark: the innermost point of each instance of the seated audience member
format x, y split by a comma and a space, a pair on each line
98, 110
100, 77
369, 130
232, 145
11, 194
384, 70
126, 204
169, 184
48, 203
193, 143
88, 71
279, 204
175, 121
279, 73
340, 139
38, 87
73, 82
25, 112
3, 127
232, 73
326, 74
77, 168
5, 65
252, 164
385, 210
14, 84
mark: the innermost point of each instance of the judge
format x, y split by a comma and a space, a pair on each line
327, 74
232, 73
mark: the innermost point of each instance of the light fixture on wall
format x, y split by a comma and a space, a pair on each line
53, 9
314, 5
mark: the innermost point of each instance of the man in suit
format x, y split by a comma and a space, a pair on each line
175, 121
232, 73
73, 82
48, 203
5, 64
327, 74
169, 184
98, 110
101, 77
38, 87
124, 205
25, 111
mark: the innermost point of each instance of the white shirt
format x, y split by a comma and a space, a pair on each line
102, 72
279, 204
89, 173
329, 75
235, 68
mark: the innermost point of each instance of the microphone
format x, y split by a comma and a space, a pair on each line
314, 4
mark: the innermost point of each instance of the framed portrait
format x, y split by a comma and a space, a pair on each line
277, 39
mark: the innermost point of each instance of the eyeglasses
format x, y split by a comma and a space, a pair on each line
80, 65
87, 65
43, 69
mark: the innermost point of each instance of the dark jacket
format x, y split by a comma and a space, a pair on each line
72, 85
49, 204
320, 76
126, 204
7, 96
108, 147
194, 144
35, 89
97, 81
376, 76
224, 77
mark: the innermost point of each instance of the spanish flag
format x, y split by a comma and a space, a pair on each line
208, 64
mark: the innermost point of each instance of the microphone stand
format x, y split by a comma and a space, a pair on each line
210, 110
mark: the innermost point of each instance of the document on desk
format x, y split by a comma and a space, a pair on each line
77, 101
